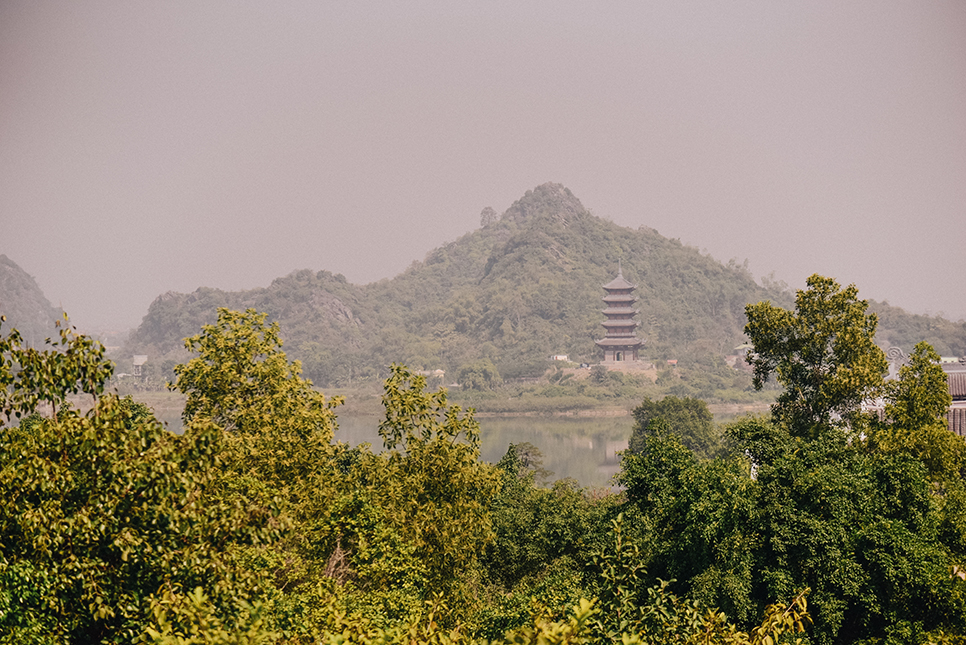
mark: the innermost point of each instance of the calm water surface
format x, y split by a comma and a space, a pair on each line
583, 448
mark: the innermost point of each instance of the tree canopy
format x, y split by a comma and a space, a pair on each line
866, 510
823, 354
241, 379
30, 377
254, 527
687, 417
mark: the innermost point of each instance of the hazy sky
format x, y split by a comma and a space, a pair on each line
155, 146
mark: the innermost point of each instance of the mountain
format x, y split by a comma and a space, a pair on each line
24, 305
522, 287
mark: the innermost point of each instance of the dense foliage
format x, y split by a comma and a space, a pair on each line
691, 419
254, 527
862, 507
241, 380
30, 377
823, 353
103, 510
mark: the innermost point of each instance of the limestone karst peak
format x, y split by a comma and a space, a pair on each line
549, 200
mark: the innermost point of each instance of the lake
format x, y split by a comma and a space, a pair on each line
582, 448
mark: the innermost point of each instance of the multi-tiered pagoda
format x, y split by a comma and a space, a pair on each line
620, 342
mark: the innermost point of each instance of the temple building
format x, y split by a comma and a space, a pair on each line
620, 342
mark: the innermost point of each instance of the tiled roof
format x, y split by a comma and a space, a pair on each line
624, 322
957, 385
619, 283
614, 311
619, 341
620, 298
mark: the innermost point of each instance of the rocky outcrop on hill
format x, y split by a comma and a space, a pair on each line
24, 305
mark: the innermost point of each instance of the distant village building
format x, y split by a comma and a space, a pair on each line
139, 360
432, 376
559, 357
620, 342
737, 357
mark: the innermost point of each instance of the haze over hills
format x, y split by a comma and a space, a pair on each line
525, 285
24, 304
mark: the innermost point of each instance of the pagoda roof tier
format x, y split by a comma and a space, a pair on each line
619, 297
619, 283
619, 311
612, 341
624, 322
625, 304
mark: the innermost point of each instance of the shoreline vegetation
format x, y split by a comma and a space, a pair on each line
578, 443
365, 403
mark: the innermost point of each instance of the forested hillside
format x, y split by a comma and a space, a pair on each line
902, 329
525, 285
24, 304
522, 287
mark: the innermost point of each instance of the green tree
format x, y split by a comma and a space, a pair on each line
920, 396
100, 511
823, 353
530, 462
863, 531
861, 522
844, 519
479, 375
598, 374
915, 418
277, 450
242, 381
30, 377
432, 485
534, 526
687, 417
860, 528
696, 519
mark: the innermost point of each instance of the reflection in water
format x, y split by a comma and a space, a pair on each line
170, 418
582, 448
